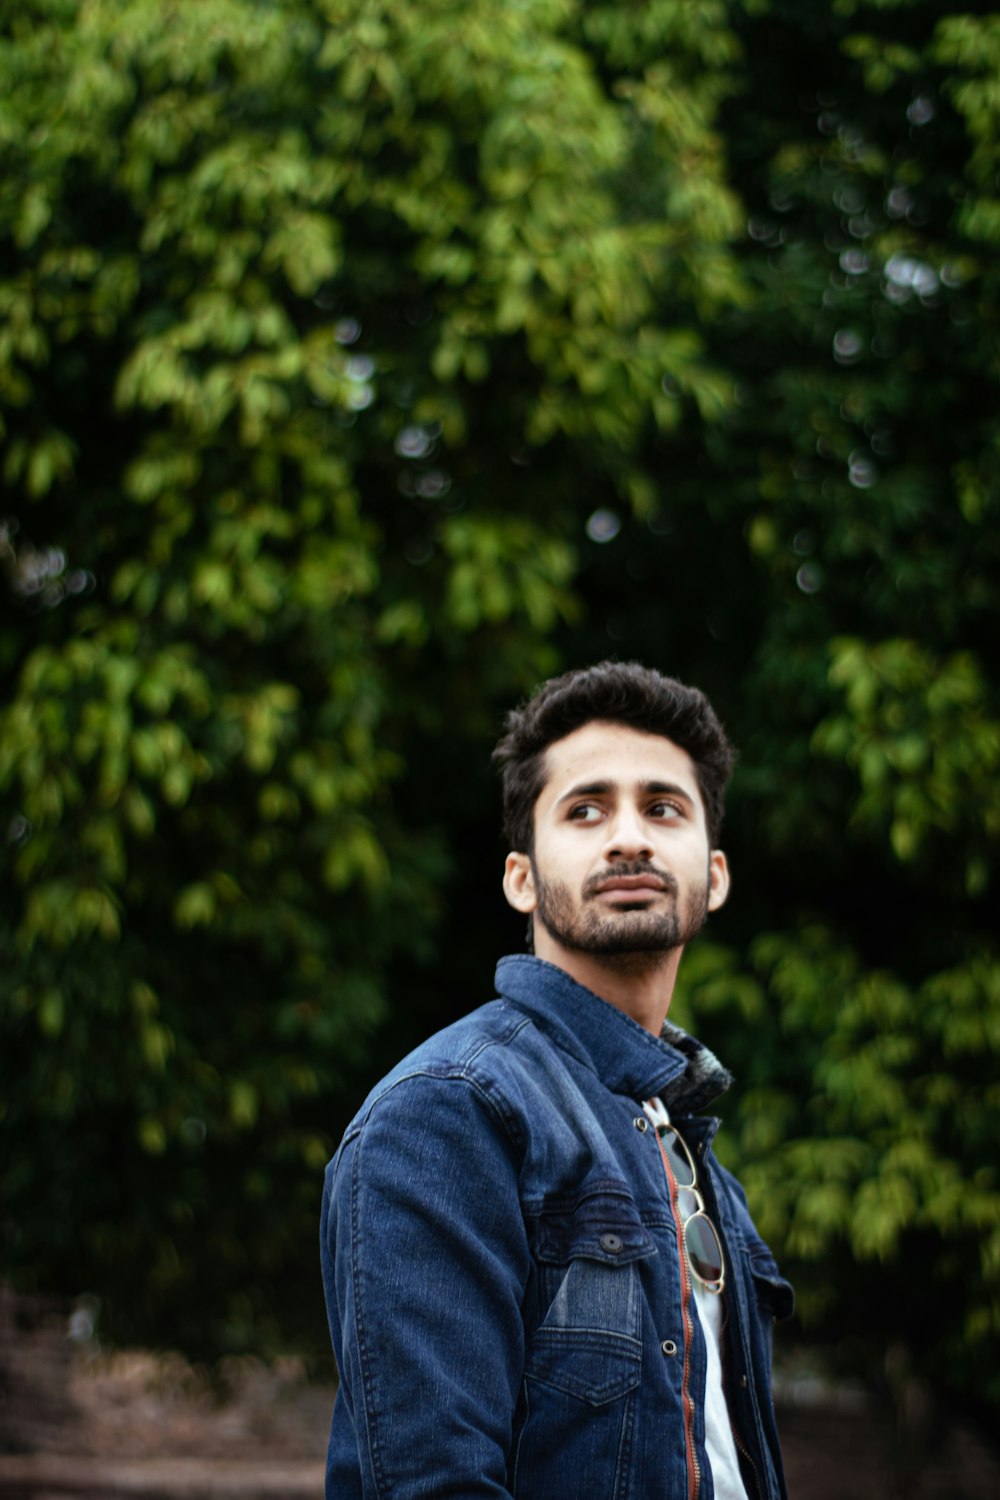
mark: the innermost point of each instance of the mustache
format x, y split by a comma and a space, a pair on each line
636, 867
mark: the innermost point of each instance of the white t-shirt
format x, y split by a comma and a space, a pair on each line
719, 1441
720, 1445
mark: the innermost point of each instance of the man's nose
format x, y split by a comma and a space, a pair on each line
628, 836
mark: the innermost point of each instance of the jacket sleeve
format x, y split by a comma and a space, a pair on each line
425, 1265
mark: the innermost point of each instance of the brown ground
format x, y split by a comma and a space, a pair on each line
77, 1423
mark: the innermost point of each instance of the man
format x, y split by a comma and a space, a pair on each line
540, 1282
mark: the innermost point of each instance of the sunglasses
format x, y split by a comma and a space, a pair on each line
701, 1238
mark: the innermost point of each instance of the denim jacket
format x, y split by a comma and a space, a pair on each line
508, 1310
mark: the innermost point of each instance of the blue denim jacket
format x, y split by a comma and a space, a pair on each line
500, 1262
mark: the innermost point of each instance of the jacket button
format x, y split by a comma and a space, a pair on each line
641, 1124
668, 1346
612, 1243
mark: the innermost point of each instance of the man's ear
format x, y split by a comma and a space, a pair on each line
519, 883
718, 879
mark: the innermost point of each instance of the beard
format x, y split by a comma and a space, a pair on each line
629, 931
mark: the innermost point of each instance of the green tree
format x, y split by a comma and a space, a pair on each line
319, 323
825, 560
360, 362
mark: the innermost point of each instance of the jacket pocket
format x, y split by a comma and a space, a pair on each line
589, 1364
589, 1251
775, 1297
577, 1413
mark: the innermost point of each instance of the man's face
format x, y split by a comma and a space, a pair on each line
621, 862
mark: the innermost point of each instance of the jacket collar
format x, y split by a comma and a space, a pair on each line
627, 1058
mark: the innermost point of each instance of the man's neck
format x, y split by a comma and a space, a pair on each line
640, 984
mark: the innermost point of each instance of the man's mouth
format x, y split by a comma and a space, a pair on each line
624, 889
631, 883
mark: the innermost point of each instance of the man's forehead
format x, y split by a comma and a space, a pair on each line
608, 751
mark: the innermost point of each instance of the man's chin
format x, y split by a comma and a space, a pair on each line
615, 938
637, 923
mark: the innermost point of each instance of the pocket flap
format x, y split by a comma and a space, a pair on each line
601, 1225
774, 1294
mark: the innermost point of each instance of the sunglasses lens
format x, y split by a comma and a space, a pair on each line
680, 1162
703, 1248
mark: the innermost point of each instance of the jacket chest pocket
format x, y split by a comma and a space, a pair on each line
576, 1418
589, 1253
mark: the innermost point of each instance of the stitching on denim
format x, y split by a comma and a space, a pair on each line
364, 1357
520, 1436
486, 1090
623, 1475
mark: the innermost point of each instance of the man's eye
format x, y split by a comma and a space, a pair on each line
666, 810
585, 812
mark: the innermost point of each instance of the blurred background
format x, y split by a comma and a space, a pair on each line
363, 362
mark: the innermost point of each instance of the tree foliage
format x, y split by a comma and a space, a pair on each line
319, 321
360, 361
844, 521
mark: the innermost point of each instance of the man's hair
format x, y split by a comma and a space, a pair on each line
617, 693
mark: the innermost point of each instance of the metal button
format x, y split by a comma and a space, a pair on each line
668, 1346
612, 1243
641, 1123
743, 1382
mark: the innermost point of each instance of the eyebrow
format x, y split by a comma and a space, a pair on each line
647, 788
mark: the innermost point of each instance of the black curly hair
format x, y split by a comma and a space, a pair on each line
618, 693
